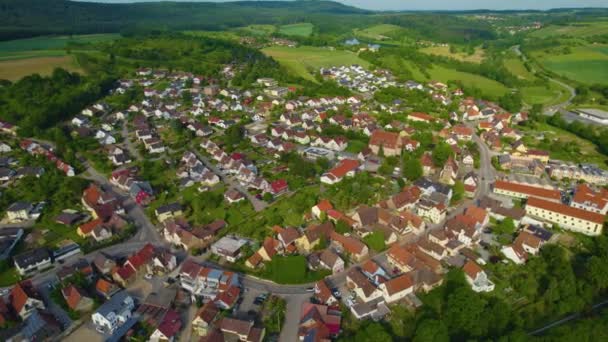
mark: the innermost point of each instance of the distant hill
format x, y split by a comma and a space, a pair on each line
25, 18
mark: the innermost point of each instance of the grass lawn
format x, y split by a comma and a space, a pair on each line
488, 86
375, 241
574, 30
291, 270
15, 69
302, 60
355, 146
587, 64
9, 277
477, 57
301, 29
516, 66
543, 95
396, 63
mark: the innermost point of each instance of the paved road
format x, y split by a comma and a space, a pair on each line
258, 205
133, 151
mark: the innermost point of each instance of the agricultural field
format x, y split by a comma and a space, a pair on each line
488, 86
15, 69
301, 29
444, 51
575, 30
378, 32
303, 60
19, 58
585, 64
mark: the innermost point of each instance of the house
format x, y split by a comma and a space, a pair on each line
268, 250
364, 289
234, 196
587, 199
106, 289
570, 218
525, 243
389, 143
168, 211
346, 167
324, 294
228, 247
477, 278
19, 211
168, 328
328, 259
240, 330
321, 208
356, 249
397, 288
39, 326
76, 299
524, 191
420, 117
312, 236
202, 324
113, 313
25, 299
318, 323
32, 261
279, 187
434, 212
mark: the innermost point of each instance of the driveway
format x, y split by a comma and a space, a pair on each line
289, 333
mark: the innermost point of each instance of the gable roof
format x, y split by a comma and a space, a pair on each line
471, 269
566, 210
398, 284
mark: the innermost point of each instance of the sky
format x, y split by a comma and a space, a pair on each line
444, 4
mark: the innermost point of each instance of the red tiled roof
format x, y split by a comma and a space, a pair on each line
88, 227
344, 167
471, 269
422, 116
171, 324
386, 139
72, 296
103, 286
399, 284
324, 205
528, 190
565, 210
20, 294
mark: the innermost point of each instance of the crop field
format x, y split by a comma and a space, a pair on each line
477, 57
487, 86
41, 55
516, 66
15, 69
575, 30
543, 95
303, 60
587, 64
301, 29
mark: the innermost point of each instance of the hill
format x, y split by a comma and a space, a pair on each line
26, 18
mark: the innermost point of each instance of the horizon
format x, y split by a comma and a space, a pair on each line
427, 5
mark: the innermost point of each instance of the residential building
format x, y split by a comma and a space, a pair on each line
570, 218
113, 313
523, 191
477, 278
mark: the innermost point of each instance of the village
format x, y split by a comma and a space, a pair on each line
164, 242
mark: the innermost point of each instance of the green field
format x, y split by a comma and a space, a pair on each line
586, 64
301, 29
41, 55
306, 59
51, 43
377, 32
258, 30
574, 30
444, 51
542, 95
516, 67
488, 86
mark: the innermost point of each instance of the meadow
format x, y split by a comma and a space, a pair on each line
582, 29
377, 32
487, 86
586, 64
516, 67
258, 30
41, 55
300, 29
444, 51
303, 60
